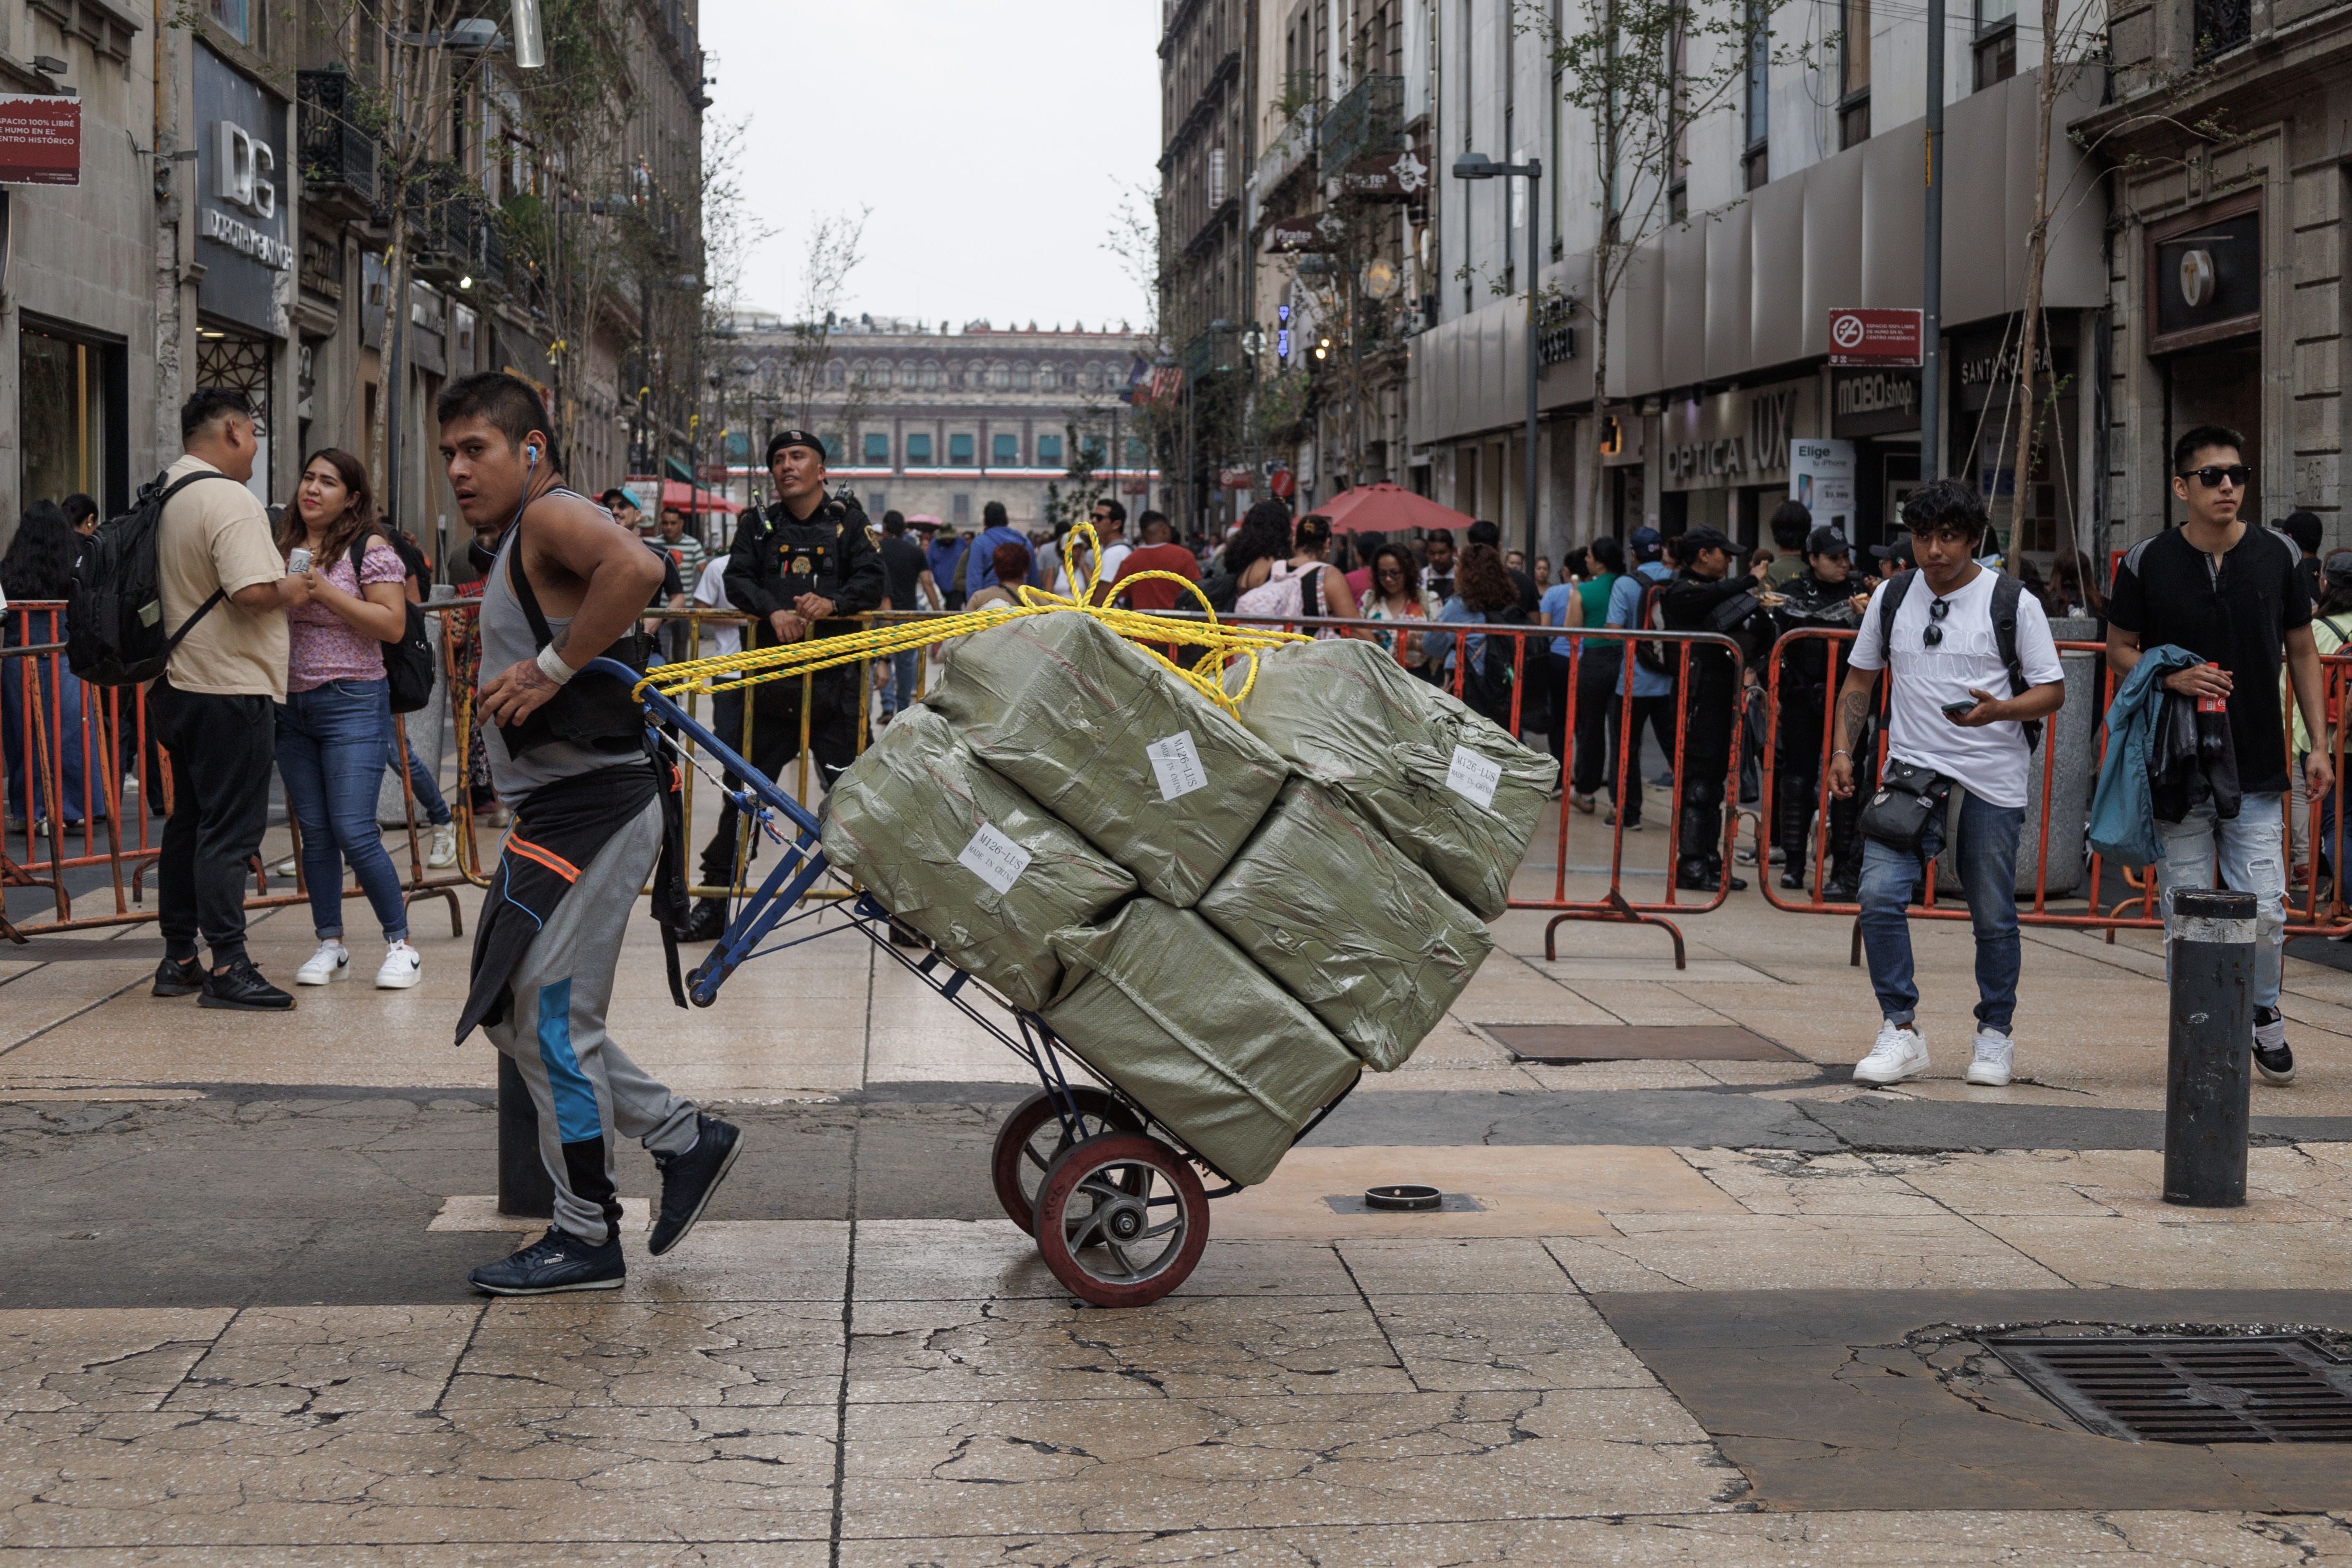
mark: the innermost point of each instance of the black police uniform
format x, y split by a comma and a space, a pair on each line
1804, 699
776, 559
1694, 603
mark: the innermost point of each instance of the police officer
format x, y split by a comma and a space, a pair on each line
809, 561
1706, 595
1824, 594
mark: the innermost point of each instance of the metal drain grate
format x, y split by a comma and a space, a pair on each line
2214, 1388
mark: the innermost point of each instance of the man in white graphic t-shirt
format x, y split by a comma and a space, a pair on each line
1972, 665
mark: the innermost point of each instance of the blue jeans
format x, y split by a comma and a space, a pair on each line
899, 687
1988, 865
420, 781
331, 754
28, 788
2252, 852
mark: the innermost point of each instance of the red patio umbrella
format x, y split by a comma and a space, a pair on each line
1389, 509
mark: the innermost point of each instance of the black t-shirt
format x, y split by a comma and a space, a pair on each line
903, 563
671, 587
412, 561
2237, 618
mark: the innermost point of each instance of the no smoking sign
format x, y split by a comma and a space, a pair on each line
1866, 337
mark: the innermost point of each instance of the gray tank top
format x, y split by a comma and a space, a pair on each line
506, 642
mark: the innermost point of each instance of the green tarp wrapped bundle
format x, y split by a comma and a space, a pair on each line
1458, 796
1364, 937
1159, 1004
1154, 775
965, 858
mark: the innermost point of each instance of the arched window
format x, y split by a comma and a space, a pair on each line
907, 372
931, 374
1000, 376
1022, 378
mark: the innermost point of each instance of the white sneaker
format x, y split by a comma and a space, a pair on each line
286, 867
403, 968
1900, 1052
444, 852
1994, 1056
332, 959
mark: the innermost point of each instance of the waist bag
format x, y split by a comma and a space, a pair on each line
1908, 799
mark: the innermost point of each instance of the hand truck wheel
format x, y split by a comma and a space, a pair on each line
1031, 1137
1121, 1219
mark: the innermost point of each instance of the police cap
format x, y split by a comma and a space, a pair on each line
784, 438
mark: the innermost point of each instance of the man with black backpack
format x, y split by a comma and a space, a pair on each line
1952, 633
1649, 673
225, 589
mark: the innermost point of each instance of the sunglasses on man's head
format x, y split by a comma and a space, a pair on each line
1937, 610
2213, 474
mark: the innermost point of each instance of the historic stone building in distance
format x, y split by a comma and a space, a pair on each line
926, 419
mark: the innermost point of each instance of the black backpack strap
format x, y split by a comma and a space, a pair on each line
2006, 591
1888, 603
541, 634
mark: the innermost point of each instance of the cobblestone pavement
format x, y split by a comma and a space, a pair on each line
1701, 1310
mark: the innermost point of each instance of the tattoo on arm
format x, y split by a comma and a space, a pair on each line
1853, 708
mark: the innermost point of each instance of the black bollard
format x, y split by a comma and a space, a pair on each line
524, 1189
2210, 1072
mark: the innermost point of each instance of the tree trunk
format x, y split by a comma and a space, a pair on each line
1600, 292
2036, 262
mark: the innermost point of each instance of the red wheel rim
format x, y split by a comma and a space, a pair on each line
1032, 1136
1121, 1219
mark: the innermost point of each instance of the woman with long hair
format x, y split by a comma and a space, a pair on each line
39, 567
1265, 535
1304, 585
1397, 594
1483, 594
332, 728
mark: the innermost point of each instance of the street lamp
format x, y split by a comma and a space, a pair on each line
1478, 166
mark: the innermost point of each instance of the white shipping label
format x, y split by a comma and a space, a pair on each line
994, 859
1177, 761
1474, 776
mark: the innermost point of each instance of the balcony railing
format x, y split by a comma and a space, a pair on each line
2221, 26
1371, 119
338, 158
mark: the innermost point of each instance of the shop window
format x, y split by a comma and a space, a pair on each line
71, 429
1006, 450
918, 450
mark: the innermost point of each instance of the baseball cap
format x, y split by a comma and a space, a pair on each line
1705, 537
1896, 549
1827, 541
1647, 543
2337, 568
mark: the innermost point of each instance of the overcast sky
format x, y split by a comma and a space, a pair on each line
990, 138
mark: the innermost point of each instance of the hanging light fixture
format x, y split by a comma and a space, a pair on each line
530, 43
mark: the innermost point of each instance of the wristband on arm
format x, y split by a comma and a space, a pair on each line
551, 665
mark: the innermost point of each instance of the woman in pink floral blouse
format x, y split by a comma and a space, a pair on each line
330, 730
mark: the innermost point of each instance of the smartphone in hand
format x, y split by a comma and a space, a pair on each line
1962, 709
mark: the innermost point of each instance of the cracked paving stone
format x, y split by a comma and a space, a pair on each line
1181, 1347
161, 1478
123, 1359
584, 1353
1087, 1465
319, 1360
1463, 1342
545, 1553
1884, 1538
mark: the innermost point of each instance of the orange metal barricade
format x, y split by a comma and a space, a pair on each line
83, 765
2137, 912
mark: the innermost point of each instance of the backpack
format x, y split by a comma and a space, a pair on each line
408, 663
1281, 597
1650, 615
114, 611
2006, 591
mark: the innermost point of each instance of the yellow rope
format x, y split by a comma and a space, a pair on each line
1219, 642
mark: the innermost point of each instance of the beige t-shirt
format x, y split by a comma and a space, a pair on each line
215, 534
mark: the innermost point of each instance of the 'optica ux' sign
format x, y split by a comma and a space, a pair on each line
1859, 337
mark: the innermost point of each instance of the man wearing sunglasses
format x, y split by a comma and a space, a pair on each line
2230, 592
1969, 662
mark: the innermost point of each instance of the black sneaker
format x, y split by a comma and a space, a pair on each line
1793, 878
178, 977
2272, 1057
689, 1180
707, 924
241, 988
557, 1261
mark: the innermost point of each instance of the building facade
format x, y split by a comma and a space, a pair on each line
2229, 136
231, 227
921, 418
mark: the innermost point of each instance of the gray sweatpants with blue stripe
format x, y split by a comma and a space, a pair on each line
585, 1087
